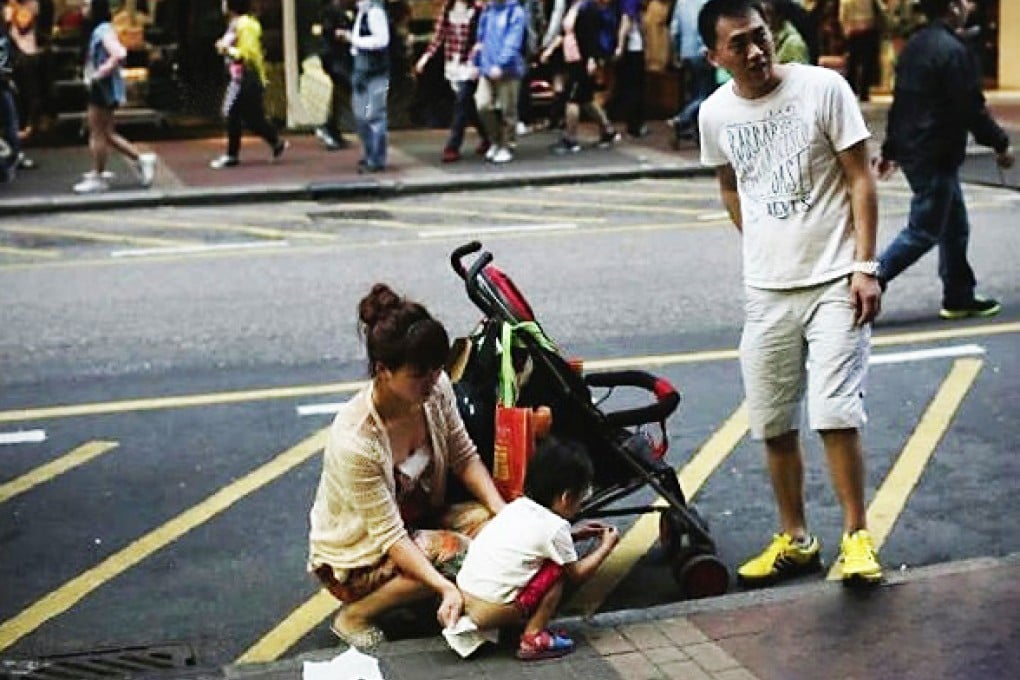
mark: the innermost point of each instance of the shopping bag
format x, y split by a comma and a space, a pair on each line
315, 89
516, 427
514, 446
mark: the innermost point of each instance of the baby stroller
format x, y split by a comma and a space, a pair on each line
624, 456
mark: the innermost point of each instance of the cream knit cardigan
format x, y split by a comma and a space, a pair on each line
355, 518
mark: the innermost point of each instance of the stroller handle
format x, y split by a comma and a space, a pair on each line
457, 255
667, 399
473, 279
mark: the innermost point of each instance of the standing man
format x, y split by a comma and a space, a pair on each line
788, 143
937, 101
370, 42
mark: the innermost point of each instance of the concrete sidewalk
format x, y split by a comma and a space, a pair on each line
959, 620
307, 171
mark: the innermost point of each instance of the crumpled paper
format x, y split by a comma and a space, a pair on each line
464, 637
351, 665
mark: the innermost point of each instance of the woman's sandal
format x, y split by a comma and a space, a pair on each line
365, 639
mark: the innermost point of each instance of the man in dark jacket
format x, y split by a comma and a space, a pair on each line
937, 101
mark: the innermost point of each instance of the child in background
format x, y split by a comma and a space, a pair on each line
515, 567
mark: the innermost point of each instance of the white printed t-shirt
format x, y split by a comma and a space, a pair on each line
794, 200
511, 548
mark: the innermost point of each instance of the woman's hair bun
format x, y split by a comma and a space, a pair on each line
379, 303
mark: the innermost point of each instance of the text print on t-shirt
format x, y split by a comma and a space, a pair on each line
771, 158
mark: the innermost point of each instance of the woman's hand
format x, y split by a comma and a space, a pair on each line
451, 606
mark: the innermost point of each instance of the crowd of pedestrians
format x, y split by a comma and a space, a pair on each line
585, 60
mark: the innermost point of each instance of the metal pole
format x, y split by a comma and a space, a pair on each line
296, 115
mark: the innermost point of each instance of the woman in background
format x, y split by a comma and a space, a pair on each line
105, 81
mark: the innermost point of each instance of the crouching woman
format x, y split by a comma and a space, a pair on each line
382, 534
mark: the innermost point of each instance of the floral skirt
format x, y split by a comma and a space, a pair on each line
444, 547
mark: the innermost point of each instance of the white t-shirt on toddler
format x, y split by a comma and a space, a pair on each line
511, 548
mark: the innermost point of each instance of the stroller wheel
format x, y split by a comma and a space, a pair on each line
701, 575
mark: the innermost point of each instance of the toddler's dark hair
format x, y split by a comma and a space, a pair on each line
557, 466
399, 332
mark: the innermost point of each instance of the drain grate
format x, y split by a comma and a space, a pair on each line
104, 664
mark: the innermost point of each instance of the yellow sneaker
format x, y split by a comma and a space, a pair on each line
858, 558
783, 558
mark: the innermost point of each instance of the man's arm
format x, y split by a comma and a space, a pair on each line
865, 291
728, 192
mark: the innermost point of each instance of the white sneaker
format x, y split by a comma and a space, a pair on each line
504, 155
147, 168
491, 153
107, 175
91, 185
523, 129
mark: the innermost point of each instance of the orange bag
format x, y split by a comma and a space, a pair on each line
516, 427
514, 447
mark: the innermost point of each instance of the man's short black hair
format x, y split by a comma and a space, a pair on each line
558, 466
713, 9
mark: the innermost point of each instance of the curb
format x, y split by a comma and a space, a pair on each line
733, 601
337, 190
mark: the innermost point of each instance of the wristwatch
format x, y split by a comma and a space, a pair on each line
869, 267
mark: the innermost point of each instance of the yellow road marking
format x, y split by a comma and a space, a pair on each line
289, 211
186, 223
45, 473
665, 195
645, 531
298, 624
443, 209
183, 401
88, 235
66, 596
28, 252
650, 360
533, 200
892, 495
945, 334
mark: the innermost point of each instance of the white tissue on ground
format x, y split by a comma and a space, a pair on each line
351, 665
464, 637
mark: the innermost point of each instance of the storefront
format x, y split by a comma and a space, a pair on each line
175, 74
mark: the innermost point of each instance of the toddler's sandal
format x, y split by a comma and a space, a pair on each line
545, 644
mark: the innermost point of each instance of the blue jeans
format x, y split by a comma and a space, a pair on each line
702, 79
938, 216
368, 99
464, 112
